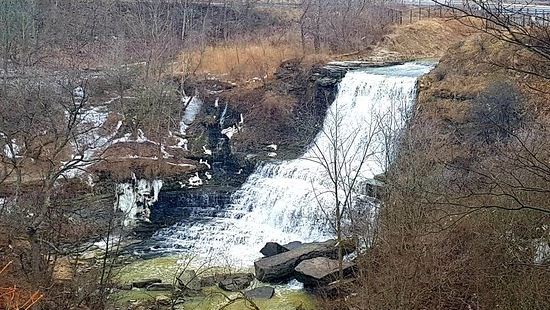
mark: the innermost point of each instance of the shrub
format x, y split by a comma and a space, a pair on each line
497, 112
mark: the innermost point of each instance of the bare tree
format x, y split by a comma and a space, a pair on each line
517, 24
343, 152
53, 137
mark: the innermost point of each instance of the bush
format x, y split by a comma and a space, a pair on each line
498, 112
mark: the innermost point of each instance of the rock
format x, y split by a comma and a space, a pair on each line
146, 282
89, 255
160, 287
124, 287
236, 282
373, 188
321, 271
188, 280
265, 292
280, 267
292, 245
163, 300
211, 280
272, 248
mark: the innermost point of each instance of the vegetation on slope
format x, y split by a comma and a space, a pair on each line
464, 222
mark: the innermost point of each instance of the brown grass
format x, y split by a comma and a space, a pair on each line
423, 39
242, 61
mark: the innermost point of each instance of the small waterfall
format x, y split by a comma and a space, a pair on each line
284, 201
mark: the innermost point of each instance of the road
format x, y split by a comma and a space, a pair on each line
517, 6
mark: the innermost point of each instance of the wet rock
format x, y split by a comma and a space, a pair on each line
272, 248
159, 287
321, 271
212, 280
172, 206
236, 282
124, 287
188, 280
292, 245
265, 292
373, 188
145, 282
280, 267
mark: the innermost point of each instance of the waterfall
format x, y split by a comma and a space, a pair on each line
286, 200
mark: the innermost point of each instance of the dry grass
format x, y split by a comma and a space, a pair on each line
241, 61
424, 38
468, 68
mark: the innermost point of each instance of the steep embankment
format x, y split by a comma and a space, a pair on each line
462, 225
450, 91
429, 38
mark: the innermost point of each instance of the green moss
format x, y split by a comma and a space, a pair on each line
164, 268
126, 297
284, 299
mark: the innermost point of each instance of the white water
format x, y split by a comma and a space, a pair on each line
283, 201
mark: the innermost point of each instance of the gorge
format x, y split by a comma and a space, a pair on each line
274, 155
281, 200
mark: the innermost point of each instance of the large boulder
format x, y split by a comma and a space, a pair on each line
265, 292
280, 267
272, 248
321, 271
212, 280
236, 282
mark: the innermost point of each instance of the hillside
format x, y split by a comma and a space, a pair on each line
465, 212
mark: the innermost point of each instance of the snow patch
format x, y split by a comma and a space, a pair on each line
195, 180
206, 151
230, 131
78, 94
11, 149
192, 107
205, 162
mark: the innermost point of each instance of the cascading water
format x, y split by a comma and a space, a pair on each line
286, 201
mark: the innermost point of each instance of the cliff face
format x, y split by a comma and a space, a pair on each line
245, 126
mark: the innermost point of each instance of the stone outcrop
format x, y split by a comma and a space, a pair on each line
280, 267
321, 271
236, 282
